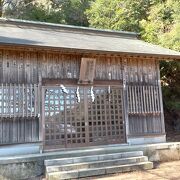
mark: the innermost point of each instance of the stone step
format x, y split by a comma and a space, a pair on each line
90, 151
96, 164
98, 171
73, 160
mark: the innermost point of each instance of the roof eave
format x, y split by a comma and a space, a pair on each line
88, 51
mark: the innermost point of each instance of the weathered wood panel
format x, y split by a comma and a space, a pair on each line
19, 110
28, 67
143, 99
31, 67
87, 71
19, 130
108, 68
55, 65
142, 71
18, 67
68, 67
145, 124
144, 110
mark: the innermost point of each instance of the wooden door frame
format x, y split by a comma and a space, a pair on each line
74, 82
57, 82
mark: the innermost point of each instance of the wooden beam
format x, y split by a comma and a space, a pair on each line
88, 53
57, 82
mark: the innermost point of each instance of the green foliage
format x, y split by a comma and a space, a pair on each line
40, 13
37, 11
162, 24
171, 39
105, 14
59, 11
170, 77
118, 14
74, 12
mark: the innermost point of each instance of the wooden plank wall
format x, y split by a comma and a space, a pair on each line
142, 71
144, 102
28, 67
21, 69
144, 109
19, 109
64, 66
108, 68
19, 130
18, 67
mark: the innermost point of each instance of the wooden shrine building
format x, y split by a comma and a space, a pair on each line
65, 86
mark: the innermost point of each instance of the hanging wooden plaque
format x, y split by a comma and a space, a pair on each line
87, 71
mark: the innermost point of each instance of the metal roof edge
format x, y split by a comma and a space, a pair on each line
38, 24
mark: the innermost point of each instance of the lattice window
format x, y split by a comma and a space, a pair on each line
19, 100
143, 99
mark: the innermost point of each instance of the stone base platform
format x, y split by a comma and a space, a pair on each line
32, 165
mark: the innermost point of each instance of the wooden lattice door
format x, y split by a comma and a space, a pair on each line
105, 116
74, 118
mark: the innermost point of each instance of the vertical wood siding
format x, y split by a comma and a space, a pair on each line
29, 68
144, 97
55, 65
144, 109
18, 67
19, 130
19, 109
142, 71
108, 68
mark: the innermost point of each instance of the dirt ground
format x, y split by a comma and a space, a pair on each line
163, 171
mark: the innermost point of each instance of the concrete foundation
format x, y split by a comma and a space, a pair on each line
146, 140
32, 165
20, 149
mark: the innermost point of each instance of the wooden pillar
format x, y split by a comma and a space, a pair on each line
160, 97
41, 99
125, 98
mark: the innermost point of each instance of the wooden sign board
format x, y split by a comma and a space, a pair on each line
87, 71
